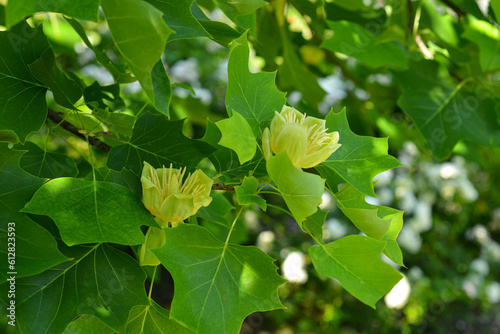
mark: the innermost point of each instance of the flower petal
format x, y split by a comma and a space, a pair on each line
293, 140
266, 145
177, 207
318, 156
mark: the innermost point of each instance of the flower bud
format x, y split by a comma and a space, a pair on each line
303, 138
170, 197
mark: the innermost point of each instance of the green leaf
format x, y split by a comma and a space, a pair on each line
253, 95
314, 225
116, 122
293, 74
88, 324
134, 24
247, 193
217, 284
235, 8
127, 179
355, 262
36, 249
238, 136
23, 108
159, 142
153, 319
117, 70
83, 9
353, 40
96, 96
358, 160
379, 222
45, 164
103, 282
487, 37
226, 162
66, 91
177, 15
92, 211
301, 191
16, 186
444, 112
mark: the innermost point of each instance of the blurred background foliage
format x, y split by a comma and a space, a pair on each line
450, 239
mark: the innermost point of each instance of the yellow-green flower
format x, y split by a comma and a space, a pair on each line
170, 197
303, 138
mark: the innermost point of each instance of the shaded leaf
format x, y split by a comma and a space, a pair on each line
159, 142
45, 164
314, 224
487, 37
301, 191
358, 160
83, 9
247, 193
102, 281
445, 112
253, 95
134, 24
355, 262
217, 284
66, 91
92, 211
294, 75
16, 186
36, 249
238, 136
353, 40
23, 108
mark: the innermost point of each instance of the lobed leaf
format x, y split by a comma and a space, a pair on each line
23, 108
247, 193
159, 142
301, 191
355, 262
134, 24
217, 284
102, 281
237, 135
92, 211
253, 95
358, 160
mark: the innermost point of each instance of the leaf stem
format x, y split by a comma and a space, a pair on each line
152, 283
232, 225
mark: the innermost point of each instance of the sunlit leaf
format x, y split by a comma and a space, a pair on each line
92, 211
355, 262
237, 135
152, 319
134, 24
358, 160
247, 193
253, 95
375, 221
301, 191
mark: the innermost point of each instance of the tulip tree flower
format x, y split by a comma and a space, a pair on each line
303, 138
171, 199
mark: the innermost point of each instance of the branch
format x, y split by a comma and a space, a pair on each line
54, 116
222, 186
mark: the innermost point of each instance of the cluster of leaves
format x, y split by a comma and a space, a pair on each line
83, 220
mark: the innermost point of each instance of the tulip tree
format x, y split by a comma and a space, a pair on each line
150, 197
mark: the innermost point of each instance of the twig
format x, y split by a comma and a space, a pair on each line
222, 186
54, 116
